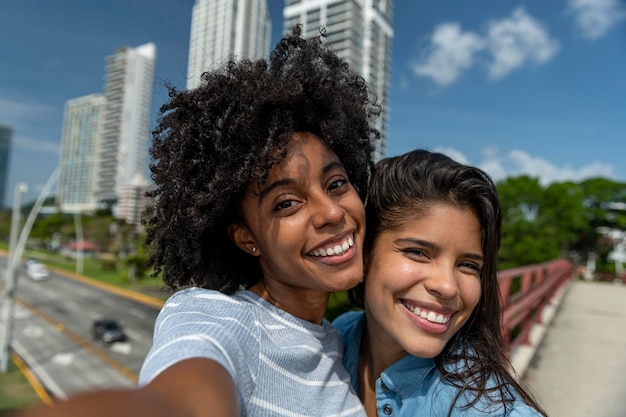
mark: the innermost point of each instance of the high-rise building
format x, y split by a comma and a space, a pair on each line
5, 151
226, 29
79, 164
126, 127
133, 201
359, 31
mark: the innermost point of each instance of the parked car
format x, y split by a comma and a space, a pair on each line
108, 331
31, 261
37, 271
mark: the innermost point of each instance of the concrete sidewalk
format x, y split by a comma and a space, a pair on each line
579, 368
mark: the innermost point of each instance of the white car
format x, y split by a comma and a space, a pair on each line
37, 271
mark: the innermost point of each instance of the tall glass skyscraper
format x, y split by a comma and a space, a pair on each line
6, 134
126, 127
226, 29
359, 31
79, 162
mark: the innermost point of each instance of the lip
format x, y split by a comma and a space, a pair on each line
333, 241
433, 318
345, 256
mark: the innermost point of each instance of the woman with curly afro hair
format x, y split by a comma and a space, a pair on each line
260, 177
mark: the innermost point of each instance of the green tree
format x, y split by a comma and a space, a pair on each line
563, 211
97, 228
45, 226
543, 223
525, 234
598, 194
5, 224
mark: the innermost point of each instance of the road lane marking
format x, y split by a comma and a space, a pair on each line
121, 347
93, 315
32, 330
39, 371
64, 359
51, 295
133, 334
71, 305
108, 302
138, 313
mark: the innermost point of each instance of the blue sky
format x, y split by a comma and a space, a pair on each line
535, 86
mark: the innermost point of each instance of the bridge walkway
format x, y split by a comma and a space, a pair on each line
579, 368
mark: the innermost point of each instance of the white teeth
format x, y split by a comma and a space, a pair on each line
430, 315
335, 250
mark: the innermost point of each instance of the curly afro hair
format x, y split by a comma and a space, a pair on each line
210, 142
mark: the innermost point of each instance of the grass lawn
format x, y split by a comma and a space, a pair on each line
16, 393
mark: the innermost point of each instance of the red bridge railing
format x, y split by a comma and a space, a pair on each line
525, 292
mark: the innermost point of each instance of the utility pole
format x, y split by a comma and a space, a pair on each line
9, 286
80, 243
14, 259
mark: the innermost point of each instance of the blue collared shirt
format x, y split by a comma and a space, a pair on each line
414, 386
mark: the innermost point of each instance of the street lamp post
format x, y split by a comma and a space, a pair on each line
9, 289
15, 257
80, 243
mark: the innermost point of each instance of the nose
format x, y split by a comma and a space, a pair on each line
443, 282
326, 210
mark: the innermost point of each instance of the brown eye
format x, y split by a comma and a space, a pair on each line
284, 205
475, 268
415, 253
337, 184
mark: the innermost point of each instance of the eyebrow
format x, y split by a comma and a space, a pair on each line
291, 181
437, 247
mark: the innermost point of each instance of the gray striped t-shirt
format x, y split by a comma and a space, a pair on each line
281, 365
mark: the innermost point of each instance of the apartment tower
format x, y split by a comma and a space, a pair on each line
79, 162
359, 31
126, 127
5, 151
226, 29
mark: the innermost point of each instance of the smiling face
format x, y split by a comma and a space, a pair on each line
307, 226
422, 283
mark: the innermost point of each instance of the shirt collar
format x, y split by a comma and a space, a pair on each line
403, 377
406, 375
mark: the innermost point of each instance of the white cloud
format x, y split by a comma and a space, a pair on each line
517, 40
13, 112
21, 116
508, 44
450, 53
36, 145
595, 17
452, 153
518, 162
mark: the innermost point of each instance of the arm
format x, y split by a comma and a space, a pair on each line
191, 388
